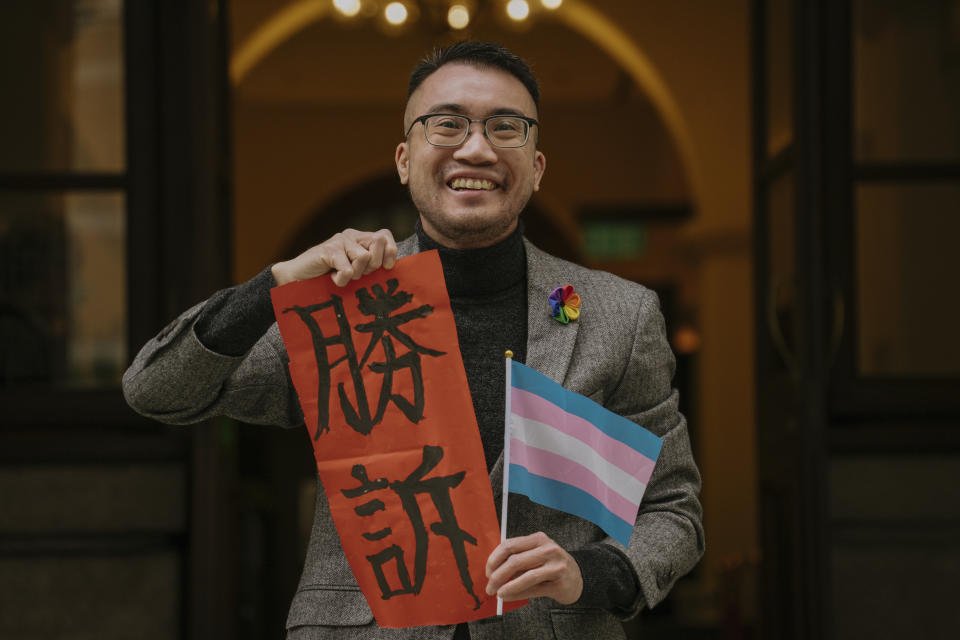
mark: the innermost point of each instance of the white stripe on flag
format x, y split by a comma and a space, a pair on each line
543, 436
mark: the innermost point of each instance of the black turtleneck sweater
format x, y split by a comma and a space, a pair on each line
488, 296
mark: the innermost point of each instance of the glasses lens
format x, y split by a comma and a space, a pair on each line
507, 131
446, 130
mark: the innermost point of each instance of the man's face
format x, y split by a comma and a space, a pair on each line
451, 213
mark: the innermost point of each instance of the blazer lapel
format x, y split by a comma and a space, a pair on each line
549, 343
408, 247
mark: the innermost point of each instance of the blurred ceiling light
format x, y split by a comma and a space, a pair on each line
686, 339
395, 13
458, 17
348, 8
518, 9
459, 12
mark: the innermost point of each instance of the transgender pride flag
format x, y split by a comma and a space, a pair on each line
567, 452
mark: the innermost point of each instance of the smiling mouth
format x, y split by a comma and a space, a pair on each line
471, 184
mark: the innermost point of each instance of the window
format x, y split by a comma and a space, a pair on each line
63, 318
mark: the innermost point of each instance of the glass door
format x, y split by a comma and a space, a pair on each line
898, 217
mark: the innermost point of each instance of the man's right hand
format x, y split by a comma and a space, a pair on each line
349, 255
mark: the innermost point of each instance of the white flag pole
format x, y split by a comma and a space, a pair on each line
506, 463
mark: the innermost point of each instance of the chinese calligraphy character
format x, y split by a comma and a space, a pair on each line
438, 489
384, 329
380, 305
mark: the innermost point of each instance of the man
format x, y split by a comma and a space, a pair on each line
471, 162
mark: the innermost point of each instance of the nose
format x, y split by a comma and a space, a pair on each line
476, 149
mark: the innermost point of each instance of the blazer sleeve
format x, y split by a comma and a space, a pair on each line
176, 379
667, 539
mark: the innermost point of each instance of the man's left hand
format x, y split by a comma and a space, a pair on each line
533, 566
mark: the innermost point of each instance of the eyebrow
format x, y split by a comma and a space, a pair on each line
452, 107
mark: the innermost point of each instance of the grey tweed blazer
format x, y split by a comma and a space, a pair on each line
616, 353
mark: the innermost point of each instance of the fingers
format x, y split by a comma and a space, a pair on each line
507, 548
374, 256
340, 258
533, 566
382, 249
346, 256
517, 561
357, 253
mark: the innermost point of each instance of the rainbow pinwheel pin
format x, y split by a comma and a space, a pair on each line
565, 304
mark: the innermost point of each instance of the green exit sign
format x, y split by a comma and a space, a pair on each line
614, 240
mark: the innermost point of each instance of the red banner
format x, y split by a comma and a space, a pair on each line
378, 371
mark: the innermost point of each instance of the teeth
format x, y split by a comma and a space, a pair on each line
470, 183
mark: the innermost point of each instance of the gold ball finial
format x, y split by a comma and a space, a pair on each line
508, 353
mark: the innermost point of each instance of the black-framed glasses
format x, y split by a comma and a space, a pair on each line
452, 130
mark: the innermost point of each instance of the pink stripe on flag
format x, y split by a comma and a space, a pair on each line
533, 407
555, 467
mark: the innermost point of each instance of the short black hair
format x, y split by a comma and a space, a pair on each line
478, 54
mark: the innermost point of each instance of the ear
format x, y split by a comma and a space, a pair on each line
403, 162
539, 166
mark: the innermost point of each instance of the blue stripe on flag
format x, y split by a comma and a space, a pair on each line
612, 424
564, 497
